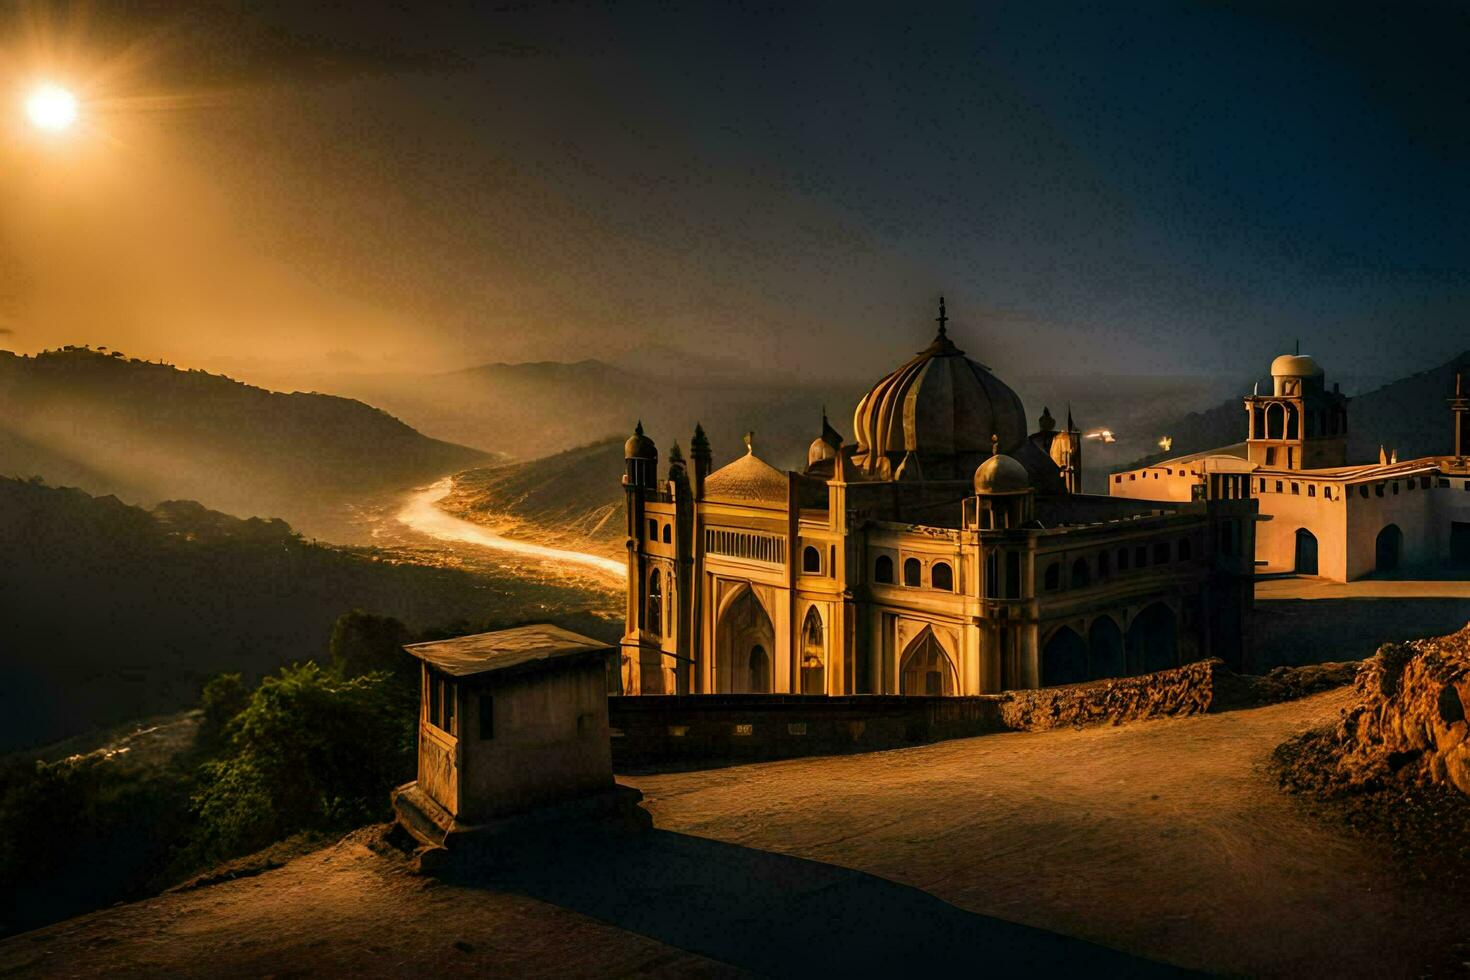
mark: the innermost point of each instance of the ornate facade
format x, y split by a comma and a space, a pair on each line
1320, 515
946, 552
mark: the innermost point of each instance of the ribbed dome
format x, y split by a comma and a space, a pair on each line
938, 404
747, 480
825, 446
1295, 366
1001, 474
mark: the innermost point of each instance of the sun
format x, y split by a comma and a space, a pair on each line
51, 107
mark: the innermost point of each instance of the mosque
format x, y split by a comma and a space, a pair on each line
1321, 515
945, 550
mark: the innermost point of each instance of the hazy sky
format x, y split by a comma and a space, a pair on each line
1111, 187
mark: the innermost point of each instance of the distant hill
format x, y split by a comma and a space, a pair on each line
148, 432
110, 612
573, 499
1408, 415
532, 410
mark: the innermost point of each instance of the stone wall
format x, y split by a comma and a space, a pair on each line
704, 728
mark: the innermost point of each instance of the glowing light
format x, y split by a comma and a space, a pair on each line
1166, 443
1106, 435
52, 108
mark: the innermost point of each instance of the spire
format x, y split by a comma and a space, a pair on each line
830, 435
1071, 426
1046, 422
1299, 346
638, 429
942, 319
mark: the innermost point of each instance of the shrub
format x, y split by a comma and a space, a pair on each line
311, 751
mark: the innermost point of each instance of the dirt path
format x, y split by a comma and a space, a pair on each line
1167, 839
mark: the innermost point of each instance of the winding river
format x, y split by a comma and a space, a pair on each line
421, 513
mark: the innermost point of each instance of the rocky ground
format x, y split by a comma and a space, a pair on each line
1396, 764
1168, 840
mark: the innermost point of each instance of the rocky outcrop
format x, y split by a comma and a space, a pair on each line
1187, 690
1409, 723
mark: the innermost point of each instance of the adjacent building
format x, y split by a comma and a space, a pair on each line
946, 550
1321, 515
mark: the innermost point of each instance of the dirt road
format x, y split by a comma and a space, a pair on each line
1167, 840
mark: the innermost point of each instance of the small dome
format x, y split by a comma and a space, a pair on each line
749, 479
1001, 474
820, 451
639, 446
1295, 366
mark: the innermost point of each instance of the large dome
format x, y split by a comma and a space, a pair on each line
942, 407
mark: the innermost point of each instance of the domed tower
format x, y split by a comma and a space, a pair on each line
823, 450
1300, 424
935, 415
640, 457
1004, 497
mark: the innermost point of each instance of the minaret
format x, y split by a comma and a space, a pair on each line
640, 477
1460, 406
700, 454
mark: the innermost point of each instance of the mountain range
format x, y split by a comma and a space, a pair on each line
147, 432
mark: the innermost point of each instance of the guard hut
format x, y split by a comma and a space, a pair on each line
512, 730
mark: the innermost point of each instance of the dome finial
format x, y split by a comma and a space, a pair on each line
942, 319
994, 444
749, 439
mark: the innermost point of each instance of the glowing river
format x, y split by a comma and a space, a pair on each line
421, 514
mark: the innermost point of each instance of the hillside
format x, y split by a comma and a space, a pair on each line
1408, 415
149, 432
110, 612
572, 500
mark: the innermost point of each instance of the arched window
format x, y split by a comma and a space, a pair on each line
811, 559
655, 619
813, 654
883, 569
913, 573
1081, 574
668, 532
1053, 578
941, 576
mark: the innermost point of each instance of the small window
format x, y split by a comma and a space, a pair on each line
941, 576
1122, 559
1140, 556
1378, 490
1423, 483
811, 560
1278, 486
436, 696
1161, 553
1296, 488
1395, 486
652, 529
1311, 489
1263, 485
1184, 549
1132, 477
1053, 578
1081, 574
1363, 491
1271, 457
913, 572
487, 717
1118, 479
883, 569
668, 533
1103, 569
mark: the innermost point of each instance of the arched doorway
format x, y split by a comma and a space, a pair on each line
1153, 640
1388, 549
926, 668
1063, 659
813, 654
1104, 649
743, 644
1306, 552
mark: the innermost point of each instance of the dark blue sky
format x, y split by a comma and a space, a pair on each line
1108, 187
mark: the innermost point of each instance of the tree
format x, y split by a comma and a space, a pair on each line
224, 697
363, 642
